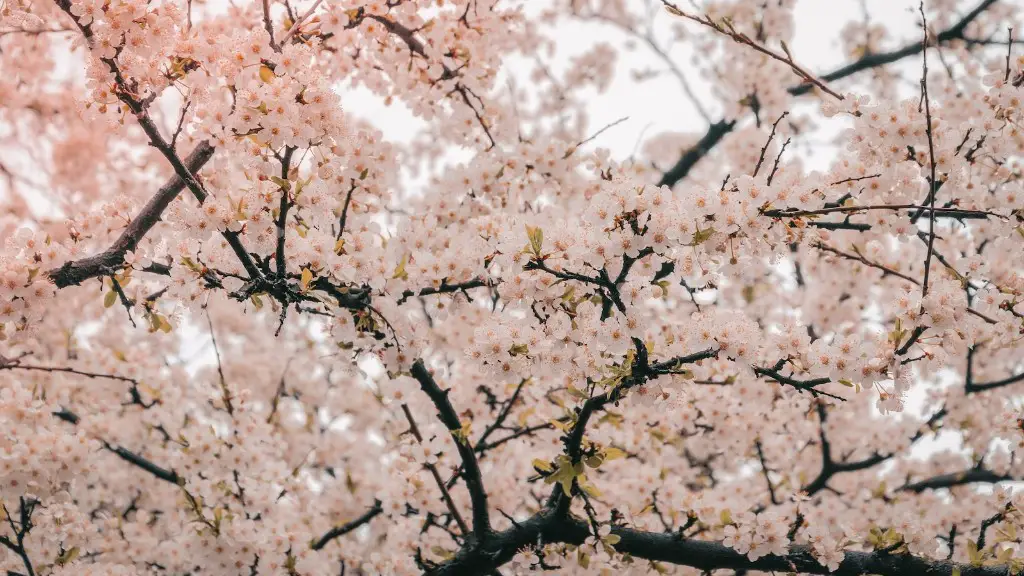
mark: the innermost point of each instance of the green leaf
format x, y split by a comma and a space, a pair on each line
590, 490
582, 558
702, 236
785, 48
536, 236
110, 298
1001, 558
565, 472
613, 453
462, 434
400, 269
748, 294
576, 392
441, 552
976, 556
725, 516
68, 556
282, 183
542, 465
519, 350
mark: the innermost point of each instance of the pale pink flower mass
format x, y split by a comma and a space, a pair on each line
245, 331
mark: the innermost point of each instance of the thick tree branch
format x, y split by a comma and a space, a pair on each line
547, 527
132, 458
689, 159
641, 372
474, 480
983, 386
972, 476
125, 92
714, 556
141, 462
111, 260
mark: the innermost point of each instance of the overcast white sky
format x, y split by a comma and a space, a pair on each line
659, 105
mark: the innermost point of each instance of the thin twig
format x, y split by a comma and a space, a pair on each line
575, 147
648, 39
775, 167
445, 495
949, 212
225, 392
886, 271
764, 149
268, 25
727, 29
764, 469
295, 27
338, 531
931, 153
1009, 53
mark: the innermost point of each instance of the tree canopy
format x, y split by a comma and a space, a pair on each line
243, 332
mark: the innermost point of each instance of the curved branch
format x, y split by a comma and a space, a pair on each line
642, 371
548, 527
983, 386
339, 531
448, 417
973, 476
711, 138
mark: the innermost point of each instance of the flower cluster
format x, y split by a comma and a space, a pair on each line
245, 329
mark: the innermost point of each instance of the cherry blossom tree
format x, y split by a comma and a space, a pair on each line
238, 338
